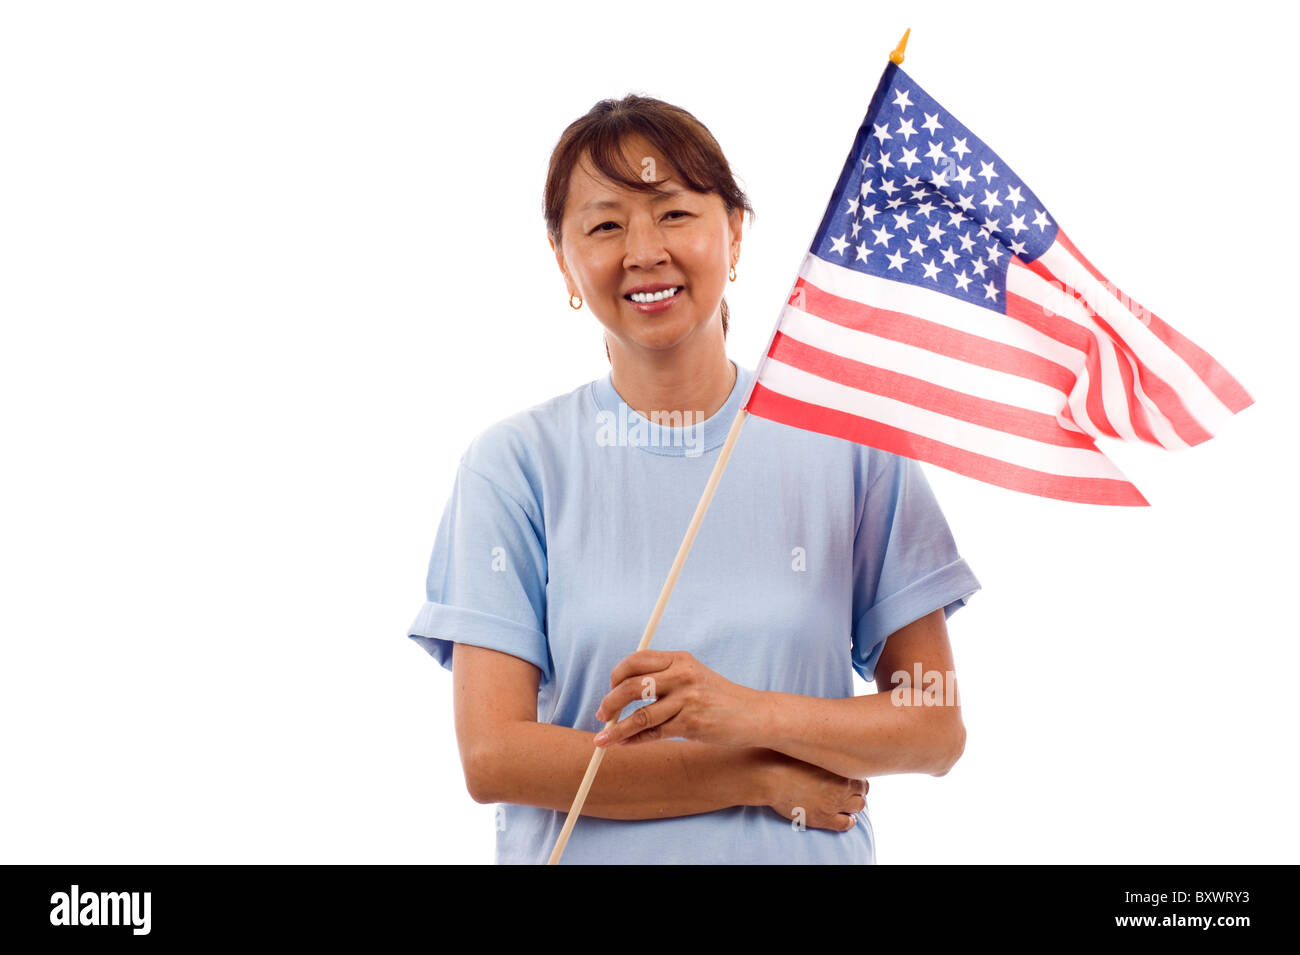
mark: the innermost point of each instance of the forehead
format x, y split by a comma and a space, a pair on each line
590, 189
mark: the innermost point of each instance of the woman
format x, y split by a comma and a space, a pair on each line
741, 739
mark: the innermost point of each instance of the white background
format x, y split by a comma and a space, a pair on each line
266, 269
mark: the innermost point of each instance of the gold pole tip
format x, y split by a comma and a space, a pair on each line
897, 55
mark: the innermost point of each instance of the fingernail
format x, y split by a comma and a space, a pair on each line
601, 738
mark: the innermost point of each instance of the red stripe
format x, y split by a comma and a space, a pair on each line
1033, 315
1226, 388
1137, 412
1156, 389
932, 336
766, 403
1008, 418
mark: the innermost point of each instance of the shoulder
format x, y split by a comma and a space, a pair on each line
512, 452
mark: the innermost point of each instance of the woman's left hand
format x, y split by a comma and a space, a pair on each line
691, 701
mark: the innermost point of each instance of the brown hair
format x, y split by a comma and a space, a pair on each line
696, 156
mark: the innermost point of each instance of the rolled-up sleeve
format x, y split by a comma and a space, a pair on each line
487, 577
905, 560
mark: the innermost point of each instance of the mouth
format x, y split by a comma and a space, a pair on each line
655, 301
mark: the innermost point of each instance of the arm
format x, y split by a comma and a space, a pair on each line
854, 737
509, 757
883, 732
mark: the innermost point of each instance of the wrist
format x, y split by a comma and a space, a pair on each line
761, 784
759, 718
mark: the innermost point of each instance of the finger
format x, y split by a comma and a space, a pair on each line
855, 803
638, 721
641, 662
629, 691
845, 822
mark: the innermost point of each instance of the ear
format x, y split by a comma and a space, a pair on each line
559, 260
737, 221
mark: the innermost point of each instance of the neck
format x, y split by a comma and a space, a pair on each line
697, 382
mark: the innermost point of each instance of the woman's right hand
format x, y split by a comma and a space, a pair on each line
826, 799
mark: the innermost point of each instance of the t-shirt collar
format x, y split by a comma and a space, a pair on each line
620, 425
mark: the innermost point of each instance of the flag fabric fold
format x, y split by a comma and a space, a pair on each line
943, 315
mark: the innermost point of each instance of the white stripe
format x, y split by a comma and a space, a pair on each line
1053, 300
1195, 395
935, 306
1049, 458
974, 380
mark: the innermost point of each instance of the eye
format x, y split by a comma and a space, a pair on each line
601, 227
678, 212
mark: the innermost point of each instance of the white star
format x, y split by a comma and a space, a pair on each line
901, 221
909, 158
869, 212
979, 266
866, 164
856, 227
901, 101
990, 199
1017, 224
885, 162
863, 252
838, 245
939, 179
986, 170
967, 243
963, 280
853, 207
912, 181
936, 153
1019, 249
906, 130
949, 256
931, 122
920, 193
864, 188
963, 176
916, 245
990, 290
887, 187
895, 203
1014, 197
960, 148
1041, 220
882, 237
994, 253
931, 270
936, 232
963, 200
882, 132
896, 261
988, 227
956, 219
926, 208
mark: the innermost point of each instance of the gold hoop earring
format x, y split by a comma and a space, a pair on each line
732, 274
571, 305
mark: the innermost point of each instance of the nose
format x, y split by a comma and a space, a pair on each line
645, 245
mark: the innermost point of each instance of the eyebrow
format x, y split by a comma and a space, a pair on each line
614, 203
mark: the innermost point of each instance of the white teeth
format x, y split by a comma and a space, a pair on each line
645, 298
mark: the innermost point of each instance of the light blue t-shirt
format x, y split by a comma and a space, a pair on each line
561, 528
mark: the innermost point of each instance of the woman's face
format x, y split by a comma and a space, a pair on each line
615, 240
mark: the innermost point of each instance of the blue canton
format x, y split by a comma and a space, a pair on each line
922, 200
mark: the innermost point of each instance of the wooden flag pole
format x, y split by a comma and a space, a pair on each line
594, 766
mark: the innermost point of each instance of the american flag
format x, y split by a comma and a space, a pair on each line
943, 315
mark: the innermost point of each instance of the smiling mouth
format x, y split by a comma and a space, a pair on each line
649, 298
